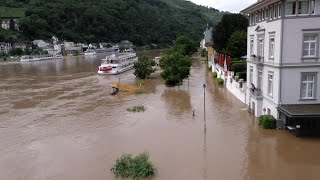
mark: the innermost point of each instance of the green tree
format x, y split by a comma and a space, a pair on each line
114, 20
176, 67
184, 45
11, 24
144, 67
226, 27
203, 52
237, 44
121, 48
15, 52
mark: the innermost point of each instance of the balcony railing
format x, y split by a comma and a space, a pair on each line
256, 93
257, 59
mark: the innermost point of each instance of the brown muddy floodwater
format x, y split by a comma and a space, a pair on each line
58, 122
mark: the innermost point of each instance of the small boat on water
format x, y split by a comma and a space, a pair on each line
89, 52
28, 58
117, 63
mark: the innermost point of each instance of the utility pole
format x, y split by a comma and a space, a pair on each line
204, 108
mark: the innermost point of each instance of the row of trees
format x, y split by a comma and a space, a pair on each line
176, 64
230, 35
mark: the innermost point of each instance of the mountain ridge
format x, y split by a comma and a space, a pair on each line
140, 21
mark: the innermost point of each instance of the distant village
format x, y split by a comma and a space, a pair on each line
56, 46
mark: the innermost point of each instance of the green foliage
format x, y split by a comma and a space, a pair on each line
177, 62
15, 52
11, 36
11, 12
226, 27
137, 109
209, 68
242, 75
203, 52
214, 75
237, 44
135, 167
140, 83
184, 45
121, 48
139, 91
144, 67
144, 22
239, 67
219, 81
267, 122
176, 68
238, 61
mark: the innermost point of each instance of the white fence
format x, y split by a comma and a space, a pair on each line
238, 89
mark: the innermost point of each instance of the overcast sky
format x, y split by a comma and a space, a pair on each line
234, 6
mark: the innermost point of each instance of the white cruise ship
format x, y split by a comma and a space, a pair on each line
28, 58
117, 63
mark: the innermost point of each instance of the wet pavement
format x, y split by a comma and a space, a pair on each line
58, 121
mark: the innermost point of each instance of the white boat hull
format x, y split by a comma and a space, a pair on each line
114, 71
90, 54
38, 58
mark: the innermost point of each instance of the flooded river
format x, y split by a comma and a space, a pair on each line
58, 122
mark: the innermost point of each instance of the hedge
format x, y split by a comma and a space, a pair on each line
237, 62
219, 81
239, 67
267, 122
214, 75
242, 75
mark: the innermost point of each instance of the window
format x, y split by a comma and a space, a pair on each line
268, 111
312, 6
251, 74
260, 47
267, 13
303, 7
309, 45
270, 83
251, 45
259, 86
279, 9
290, 7
263, 14
270, 12
275, 11
308, 85
271, 46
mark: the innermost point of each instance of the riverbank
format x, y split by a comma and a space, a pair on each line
9, 60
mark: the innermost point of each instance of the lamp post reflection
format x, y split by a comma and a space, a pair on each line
204, 107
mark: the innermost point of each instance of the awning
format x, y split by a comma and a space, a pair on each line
300, 110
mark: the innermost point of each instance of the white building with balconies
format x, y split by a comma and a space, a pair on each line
283, 59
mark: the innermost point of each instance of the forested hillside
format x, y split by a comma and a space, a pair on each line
141, 21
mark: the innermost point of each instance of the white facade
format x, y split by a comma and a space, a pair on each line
283, 54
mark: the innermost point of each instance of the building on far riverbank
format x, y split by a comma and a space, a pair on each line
283, 62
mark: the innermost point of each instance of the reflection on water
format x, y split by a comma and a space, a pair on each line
178, 101
58, 121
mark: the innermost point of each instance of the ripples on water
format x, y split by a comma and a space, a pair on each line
58, 121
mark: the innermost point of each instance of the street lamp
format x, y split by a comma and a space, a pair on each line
204, 107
